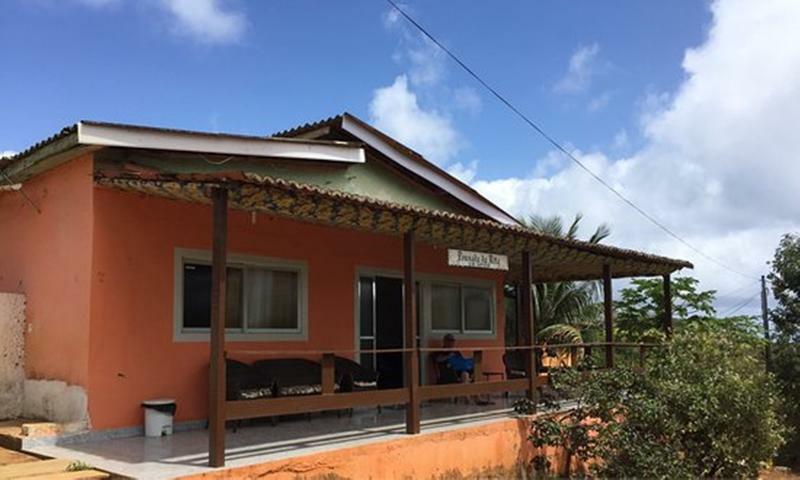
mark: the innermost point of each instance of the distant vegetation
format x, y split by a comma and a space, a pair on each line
785, 316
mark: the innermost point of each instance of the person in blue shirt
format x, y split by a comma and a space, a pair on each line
452, 366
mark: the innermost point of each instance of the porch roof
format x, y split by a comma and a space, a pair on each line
554, 258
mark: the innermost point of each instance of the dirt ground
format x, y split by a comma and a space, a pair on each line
779, 474
8, 457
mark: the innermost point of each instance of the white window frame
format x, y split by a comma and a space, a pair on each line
426, 323
182, 256
461, 284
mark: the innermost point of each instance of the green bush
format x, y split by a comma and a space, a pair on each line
702, 407
786, 365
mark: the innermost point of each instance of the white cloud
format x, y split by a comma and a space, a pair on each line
206, 21
416, 108
7, 153
651, 105
719, 163
465, 173
465, 98
396, 110
392, 16
424, 60
426, 63
599, 102
621, 139
582, 67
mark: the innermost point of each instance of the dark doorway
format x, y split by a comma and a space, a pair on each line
389, 330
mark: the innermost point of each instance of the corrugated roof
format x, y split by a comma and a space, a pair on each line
310, 126
66, 131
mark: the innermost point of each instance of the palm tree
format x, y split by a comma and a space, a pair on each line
566, 311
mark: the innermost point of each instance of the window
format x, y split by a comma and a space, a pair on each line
272, 299
461, 308
477, 309
264, 297
366, 309
197, 296
446, 307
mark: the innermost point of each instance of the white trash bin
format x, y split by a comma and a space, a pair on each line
158, 415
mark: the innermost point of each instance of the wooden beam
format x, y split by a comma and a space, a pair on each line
267, 407
528, 321
216, 400
608, 314
518, 315
667, 305
477, 370
452, 390
410, 316
328, 374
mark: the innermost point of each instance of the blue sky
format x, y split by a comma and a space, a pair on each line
299, 61
687, 107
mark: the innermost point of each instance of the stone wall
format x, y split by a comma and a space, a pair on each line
56, 401
12, 354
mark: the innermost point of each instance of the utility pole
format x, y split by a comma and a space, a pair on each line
765, 318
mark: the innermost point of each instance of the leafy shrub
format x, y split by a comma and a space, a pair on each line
702, 407
78, 466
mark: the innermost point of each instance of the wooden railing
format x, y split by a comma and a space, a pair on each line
329, 399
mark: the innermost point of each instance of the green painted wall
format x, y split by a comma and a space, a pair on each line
372, 179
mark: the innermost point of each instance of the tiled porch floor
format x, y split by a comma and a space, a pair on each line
185, 453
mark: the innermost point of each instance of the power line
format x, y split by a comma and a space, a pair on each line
741, 305
556, 144
731, 293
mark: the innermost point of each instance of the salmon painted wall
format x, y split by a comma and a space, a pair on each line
132, 353
498, 449
47, 256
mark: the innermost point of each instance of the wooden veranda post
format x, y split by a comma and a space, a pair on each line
412, 356
667, 306
608, 315
528, 320
216, 400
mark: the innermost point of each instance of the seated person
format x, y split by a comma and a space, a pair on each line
451, 366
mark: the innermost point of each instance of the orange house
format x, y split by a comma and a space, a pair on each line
107, 230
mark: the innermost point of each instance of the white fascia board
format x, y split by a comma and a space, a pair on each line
447, 183
122, 136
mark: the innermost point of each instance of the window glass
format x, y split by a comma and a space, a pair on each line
272, 298
367, 358
477, 309
197, 296
234, 291
445, 307
366, 303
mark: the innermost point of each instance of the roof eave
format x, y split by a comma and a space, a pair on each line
87, 136
424, 168
131, 136
408, 159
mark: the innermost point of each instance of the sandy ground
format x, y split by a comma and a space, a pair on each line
779, 474
7, 457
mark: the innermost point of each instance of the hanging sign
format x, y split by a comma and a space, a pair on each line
465, 258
